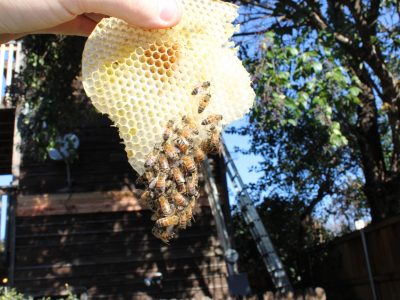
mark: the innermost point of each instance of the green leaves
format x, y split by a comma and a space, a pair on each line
292, 51
7, 293
336, 138
297, 82
354, 91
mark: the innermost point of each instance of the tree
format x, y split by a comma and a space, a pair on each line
49, 92
327, 113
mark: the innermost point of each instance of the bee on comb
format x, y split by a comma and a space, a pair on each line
201, 88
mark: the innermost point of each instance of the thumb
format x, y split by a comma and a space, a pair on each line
141, 13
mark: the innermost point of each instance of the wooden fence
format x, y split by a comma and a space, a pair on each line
10, 61
340, 266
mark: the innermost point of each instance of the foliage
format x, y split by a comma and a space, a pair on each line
48, 91
294, 127
7, 293
327, 116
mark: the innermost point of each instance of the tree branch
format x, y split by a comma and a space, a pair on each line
373, 15
322, 192
321, 24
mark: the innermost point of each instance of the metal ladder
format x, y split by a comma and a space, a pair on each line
259, 233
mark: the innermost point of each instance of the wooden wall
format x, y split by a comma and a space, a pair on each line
339, 267
109, 254
102, 163
97, 238
101, 243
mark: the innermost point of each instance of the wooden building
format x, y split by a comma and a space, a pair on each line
94, 236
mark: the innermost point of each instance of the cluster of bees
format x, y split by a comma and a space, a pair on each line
171, 173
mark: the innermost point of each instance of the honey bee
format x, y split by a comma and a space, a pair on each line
204, 101
185, 133
156, 215
204, 145
151, 159
195, 178
178, 176
198, 155
214, 142
169, 185
186, 216
188, 121
145, 199
163, 164
165, 207
146, 178
153, 183
182, 144
167, 221
183, 220
161, 182
152, 205
179, 199
170, 151
192, 204
189, 164
201, 87
191, 187
212, 119
165, 236
181, 188
168, 130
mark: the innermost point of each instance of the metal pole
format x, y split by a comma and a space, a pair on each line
371, 278
68, 176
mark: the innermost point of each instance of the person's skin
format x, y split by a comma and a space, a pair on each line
79, 17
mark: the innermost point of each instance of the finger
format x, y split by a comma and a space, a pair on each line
6, 37
81, 26
96, 17
19, 16
141, 13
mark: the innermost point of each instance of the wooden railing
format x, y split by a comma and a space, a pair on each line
10, 62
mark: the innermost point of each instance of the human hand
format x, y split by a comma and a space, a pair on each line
79, 17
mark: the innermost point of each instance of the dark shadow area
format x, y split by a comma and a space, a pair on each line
7, 116
110, 255
102, 164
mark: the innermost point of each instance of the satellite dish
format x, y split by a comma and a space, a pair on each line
66, 147
231, 256
68, 142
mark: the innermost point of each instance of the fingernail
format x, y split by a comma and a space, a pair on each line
168, 10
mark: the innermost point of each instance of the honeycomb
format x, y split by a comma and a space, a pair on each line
170, 92
144, 78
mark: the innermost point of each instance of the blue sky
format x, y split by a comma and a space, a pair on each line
242, 162
5, 180
3, 87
